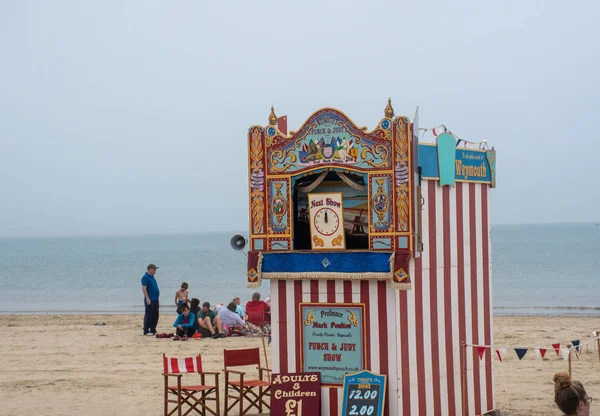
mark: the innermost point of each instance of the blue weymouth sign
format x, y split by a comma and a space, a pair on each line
469, 165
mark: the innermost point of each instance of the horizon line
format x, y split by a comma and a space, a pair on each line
184, 233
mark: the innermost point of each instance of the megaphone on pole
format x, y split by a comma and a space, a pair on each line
238, 242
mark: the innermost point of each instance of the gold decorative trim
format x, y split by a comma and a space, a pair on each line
389, 110
257, 196
283, 155
352, 318
402, 191
272, 117
376, 150
362, 129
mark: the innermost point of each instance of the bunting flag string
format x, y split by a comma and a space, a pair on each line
540, 352
500, 352
480, 351
576, 345
521, 352
436, 131
556, 348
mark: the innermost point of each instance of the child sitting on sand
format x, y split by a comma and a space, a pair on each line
185, 323
181, 296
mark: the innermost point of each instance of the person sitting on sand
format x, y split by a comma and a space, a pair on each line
195, 306
185, 322
232, 323
208, 320
181, 296
570, 396
239, 310
257, 303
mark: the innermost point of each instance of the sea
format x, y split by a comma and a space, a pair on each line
537, 270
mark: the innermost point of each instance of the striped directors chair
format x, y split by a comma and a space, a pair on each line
194, 396
254, 391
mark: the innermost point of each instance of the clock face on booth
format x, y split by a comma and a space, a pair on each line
326, 213
327, 221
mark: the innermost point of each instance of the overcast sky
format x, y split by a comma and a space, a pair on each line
131, 117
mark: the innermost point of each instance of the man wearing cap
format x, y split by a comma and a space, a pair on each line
151, 294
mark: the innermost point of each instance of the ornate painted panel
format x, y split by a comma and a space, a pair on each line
257, 180
279, 243
329, 138
381, 207
402, 177
373, 171
381, 243
279, 206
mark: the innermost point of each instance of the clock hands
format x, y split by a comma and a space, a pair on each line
326, 216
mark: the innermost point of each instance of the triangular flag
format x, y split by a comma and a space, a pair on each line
480, 351
540, 352
521, 352
565, 353
576, 344
556, 348
269, 340
594, 334
500, 352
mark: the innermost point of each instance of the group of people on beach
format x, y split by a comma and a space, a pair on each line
194, 320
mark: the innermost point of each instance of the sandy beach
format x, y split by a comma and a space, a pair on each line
63, 364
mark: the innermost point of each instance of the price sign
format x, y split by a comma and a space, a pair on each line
364, 394
296, 394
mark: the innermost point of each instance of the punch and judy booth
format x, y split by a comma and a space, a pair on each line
377, 248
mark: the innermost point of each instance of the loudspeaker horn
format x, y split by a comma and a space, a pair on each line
238, 242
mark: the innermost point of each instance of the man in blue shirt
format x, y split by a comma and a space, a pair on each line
151, 294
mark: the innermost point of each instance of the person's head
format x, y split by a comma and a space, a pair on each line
237, 300
195, 303
184, 286
232, 306
185, 310
205, 307
151, 269
256, 296
570, 396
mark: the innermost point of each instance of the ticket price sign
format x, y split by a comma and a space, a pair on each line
364, 394
296, 394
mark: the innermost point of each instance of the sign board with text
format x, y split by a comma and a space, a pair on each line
364, 394
296, 394
332, 339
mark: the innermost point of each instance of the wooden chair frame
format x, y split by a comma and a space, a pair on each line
245, 388
194, 396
